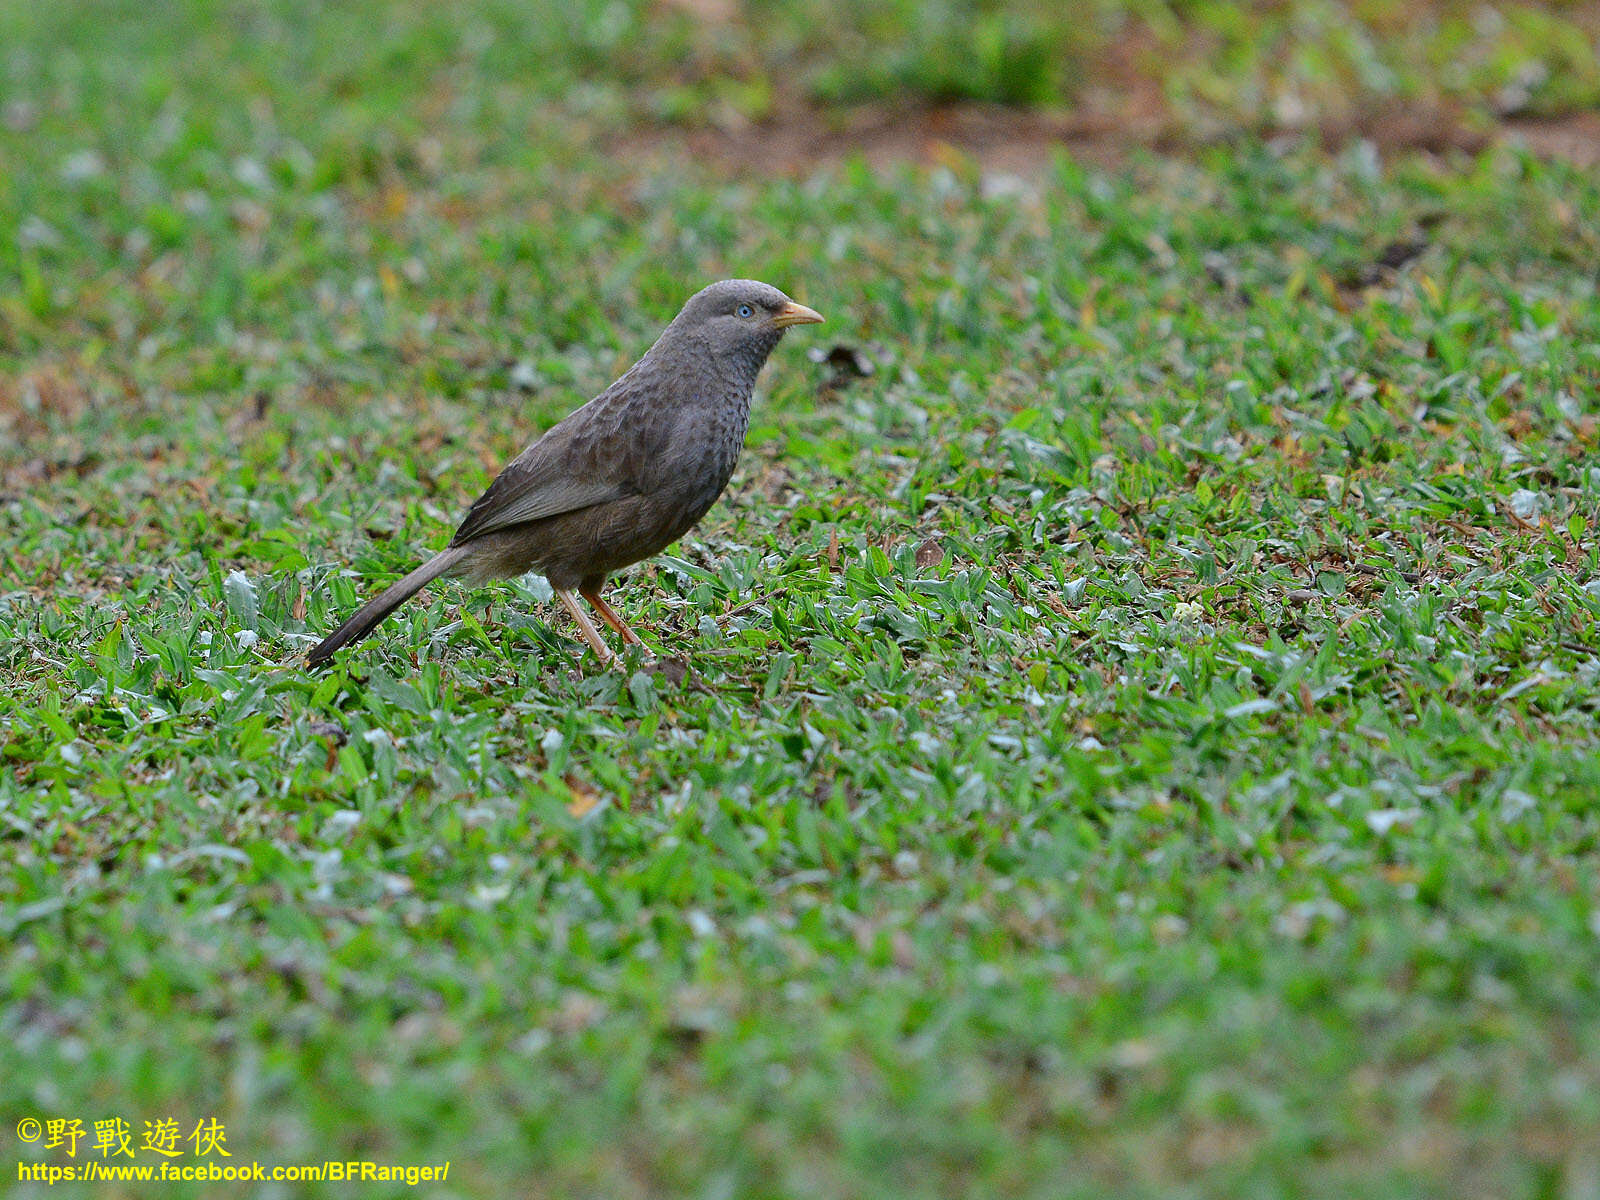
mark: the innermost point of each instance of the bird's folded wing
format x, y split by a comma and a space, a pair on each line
598, 454
532, 488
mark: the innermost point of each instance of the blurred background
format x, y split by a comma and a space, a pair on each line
365, 82
238, 157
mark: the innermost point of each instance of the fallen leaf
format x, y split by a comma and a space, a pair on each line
584, 798
673, 670
846, 363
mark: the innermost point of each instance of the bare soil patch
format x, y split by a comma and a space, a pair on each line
800, 139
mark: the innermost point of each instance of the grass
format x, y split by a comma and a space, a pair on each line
1147, 734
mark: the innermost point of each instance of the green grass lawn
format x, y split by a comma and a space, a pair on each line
1141, 738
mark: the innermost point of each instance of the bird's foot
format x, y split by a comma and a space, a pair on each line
591, 635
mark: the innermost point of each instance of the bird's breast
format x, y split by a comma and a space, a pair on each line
705, 451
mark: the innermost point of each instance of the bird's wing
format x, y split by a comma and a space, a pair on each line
529, 489
576, 464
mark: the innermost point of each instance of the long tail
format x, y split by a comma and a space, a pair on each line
369, 615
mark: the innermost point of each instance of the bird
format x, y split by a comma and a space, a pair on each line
620, 478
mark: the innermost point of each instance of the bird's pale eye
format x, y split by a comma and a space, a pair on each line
744, 310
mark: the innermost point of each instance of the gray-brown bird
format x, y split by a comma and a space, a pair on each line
621, 478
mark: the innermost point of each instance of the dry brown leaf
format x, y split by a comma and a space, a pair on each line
584, 798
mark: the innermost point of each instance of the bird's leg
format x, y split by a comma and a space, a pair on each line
586, 627
609, 616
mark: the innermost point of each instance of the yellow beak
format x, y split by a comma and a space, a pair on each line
796, 314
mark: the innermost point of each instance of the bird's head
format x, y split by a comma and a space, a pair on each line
741, 320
